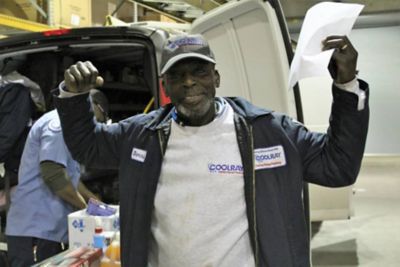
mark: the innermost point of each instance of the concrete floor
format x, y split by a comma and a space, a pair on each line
372, 236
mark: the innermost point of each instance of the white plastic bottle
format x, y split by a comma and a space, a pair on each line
99, 238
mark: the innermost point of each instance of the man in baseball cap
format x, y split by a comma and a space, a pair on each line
190, 78
216, 181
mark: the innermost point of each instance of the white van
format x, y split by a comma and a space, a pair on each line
252, 48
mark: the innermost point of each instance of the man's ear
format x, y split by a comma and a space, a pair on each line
217, 79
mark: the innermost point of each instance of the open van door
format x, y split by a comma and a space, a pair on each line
253, 51
125, 58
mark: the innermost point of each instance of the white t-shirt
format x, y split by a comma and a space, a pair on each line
199, 216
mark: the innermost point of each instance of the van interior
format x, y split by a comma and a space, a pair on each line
128, 73
127, 80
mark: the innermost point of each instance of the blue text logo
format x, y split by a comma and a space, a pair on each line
225, 168
268, 156
78, 224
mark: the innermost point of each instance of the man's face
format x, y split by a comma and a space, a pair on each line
190, 84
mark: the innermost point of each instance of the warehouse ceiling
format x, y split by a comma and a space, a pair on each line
182, 10
188, 10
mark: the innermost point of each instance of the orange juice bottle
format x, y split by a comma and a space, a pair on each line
112, 255
106, 262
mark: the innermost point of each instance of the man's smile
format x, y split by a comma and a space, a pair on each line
193, 99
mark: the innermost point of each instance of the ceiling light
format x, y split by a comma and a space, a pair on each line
192, 14
164, 1
177, 7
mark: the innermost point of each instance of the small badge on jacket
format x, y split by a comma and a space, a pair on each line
269, 157
138, 154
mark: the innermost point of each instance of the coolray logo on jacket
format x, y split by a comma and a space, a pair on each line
225, 168
138, 154
269, 157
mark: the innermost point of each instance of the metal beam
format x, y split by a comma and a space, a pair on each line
203, 4
140, 3
22, 24
38, 8
121, 2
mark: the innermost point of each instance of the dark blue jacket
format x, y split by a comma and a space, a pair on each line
16, 110
273, 196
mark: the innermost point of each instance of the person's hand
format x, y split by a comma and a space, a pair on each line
81, 77
83, 203
343, 64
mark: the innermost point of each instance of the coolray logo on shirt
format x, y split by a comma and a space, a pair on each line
225, 168
269, 157
138, 154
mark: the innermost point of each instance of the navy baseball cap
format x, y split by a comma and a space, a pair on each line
185, 46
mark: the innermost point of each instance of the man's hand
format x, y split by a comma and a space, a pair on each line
343, 63
81, 77
86, 193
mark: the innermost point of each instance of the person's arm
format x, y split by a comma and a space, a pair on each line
92, 144
58, 181
16, 112
334, 159
85, 192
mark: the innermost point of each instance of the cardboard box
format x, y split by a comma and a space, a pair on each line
61, 13
75, 257
102, 8
81, 227
155, 16
22, 9
71, 13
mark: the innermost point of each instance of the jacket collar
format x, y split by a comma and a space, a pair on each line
161, 117
246, 109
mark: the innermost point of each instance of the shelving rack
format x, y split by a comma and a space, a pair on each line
11, 25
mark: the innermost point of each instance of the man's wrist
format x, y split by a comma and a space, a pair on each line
64, 93
353, 86
350, 86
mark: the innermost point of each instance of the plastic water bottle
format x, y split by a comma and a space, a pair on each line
99, 238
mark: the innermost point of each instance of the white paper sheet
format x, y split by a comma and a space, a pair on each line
321, 20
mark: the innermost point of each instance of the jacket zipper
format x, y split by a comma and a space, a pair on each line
253, 178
